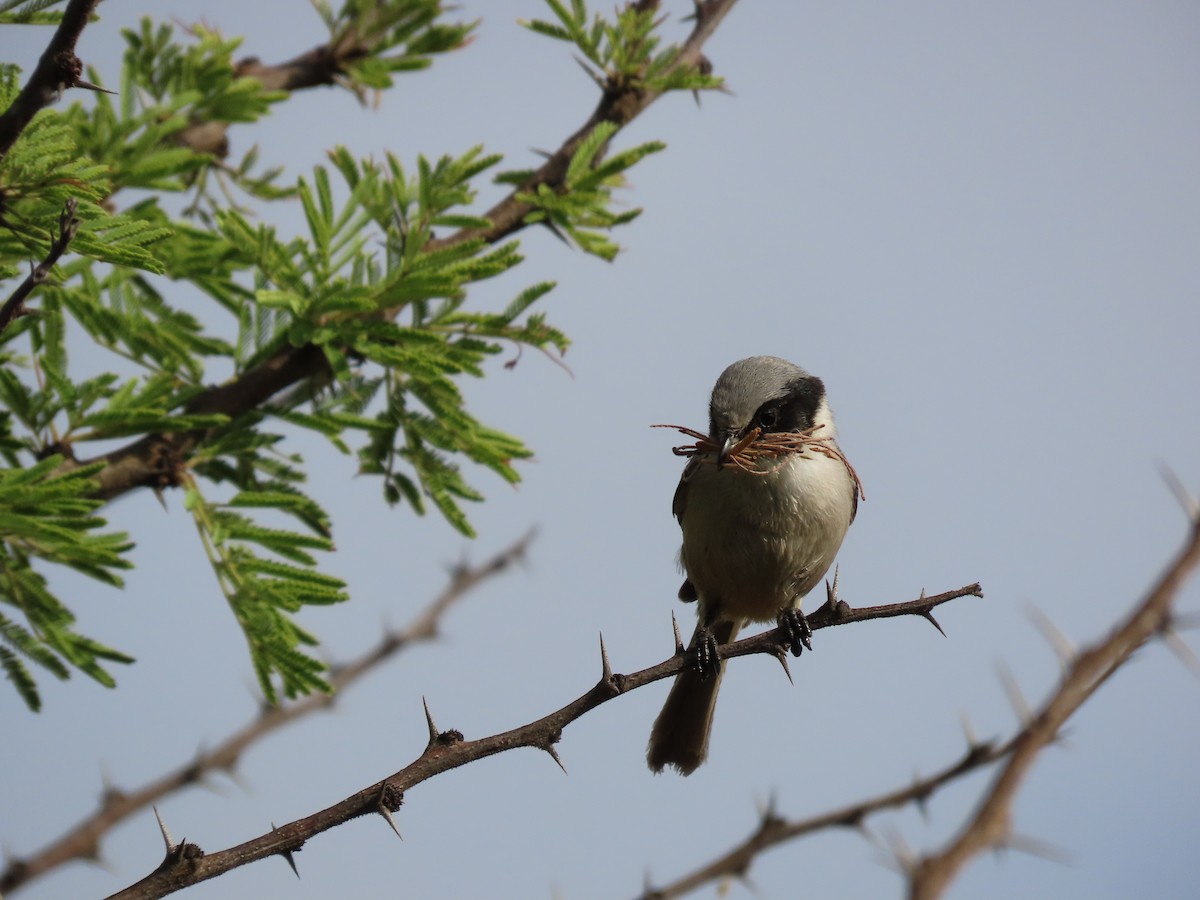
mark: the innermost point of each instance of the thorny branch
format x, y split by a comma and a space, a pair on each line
991, 825
774, 830
58, 69
153, 460
82, 840
186, 864
14, 307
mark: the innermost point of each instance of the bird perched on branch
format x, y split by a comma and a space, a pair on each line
763, 503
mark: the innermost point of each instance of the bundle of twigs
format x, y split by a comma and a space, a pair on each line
759, 445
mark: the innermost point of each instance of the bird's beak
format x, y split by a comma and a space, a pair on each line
726, 446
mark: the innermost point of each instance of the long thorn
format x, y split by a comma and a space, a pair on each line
928, 615
969, 731
606, 672
1190, 504
549, 748
781, 655
1182, 651
387, 814
288, 855
1063, 648
678, 636
433, 731
1015, 697
166, 835
1039, 848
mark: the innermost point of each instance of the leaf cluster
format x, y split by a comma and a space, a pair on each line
46, 516
28, 12
375, 284
583, 208
402, 37
627, 50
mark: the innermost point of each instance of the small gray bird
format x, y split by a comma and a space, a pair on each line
753, 544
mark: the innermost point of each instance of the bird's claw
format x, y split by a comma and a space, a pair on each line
704, 652
796, 630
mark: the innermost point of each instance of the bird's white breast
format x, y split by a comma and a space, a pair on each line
754, 545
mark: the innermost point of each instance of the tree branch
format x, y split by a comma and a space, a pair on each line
773, 830
14, 307
186, 864
155, 460
991, 825
82, 840
58, 69
318, 67
620, 104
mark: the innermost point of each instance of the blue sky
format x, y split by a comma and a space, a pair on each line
978, 223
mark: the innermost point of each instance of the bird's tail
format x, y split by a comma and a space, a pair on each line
679, 737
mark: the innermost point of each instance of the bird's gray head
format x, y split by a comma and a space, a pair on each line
769, 393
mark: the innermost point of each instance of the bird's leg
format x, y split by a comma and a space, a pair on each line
795, 628
704, 653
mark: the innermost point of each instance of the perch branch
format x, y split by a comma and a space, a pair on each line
186, 865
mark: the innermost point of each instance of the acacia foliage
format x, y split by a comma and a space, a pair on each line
376, 284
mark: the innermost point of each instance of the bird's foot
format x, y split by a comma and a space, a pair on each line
704, 654
796, 630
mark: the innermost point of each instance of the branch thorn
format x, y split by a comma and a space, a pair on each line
289, 855
1015, 697
549, 748
390, 799
928, 615
781, 655
921, 798
606, 672
902, 854
88, 86
1190, 504
679, 648
387, 815
166, 835
1063, 648
1037, 847
969, 731
1181, 650
592, 75
433, 731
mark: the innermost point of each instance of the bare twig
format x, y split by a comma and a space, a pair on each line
58, 69
14, 307
991, 824
773, 830
449, 750
82, 840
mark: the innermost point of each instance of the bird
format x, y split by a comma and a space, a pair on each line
754, 543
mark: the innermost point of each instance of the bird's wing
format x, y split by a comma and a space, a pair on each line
679, 503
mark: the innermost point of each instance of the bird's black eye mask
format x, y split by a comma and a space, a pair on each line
795, 410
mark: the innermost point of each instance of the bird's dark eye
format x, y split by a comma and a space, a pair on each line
767, 418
